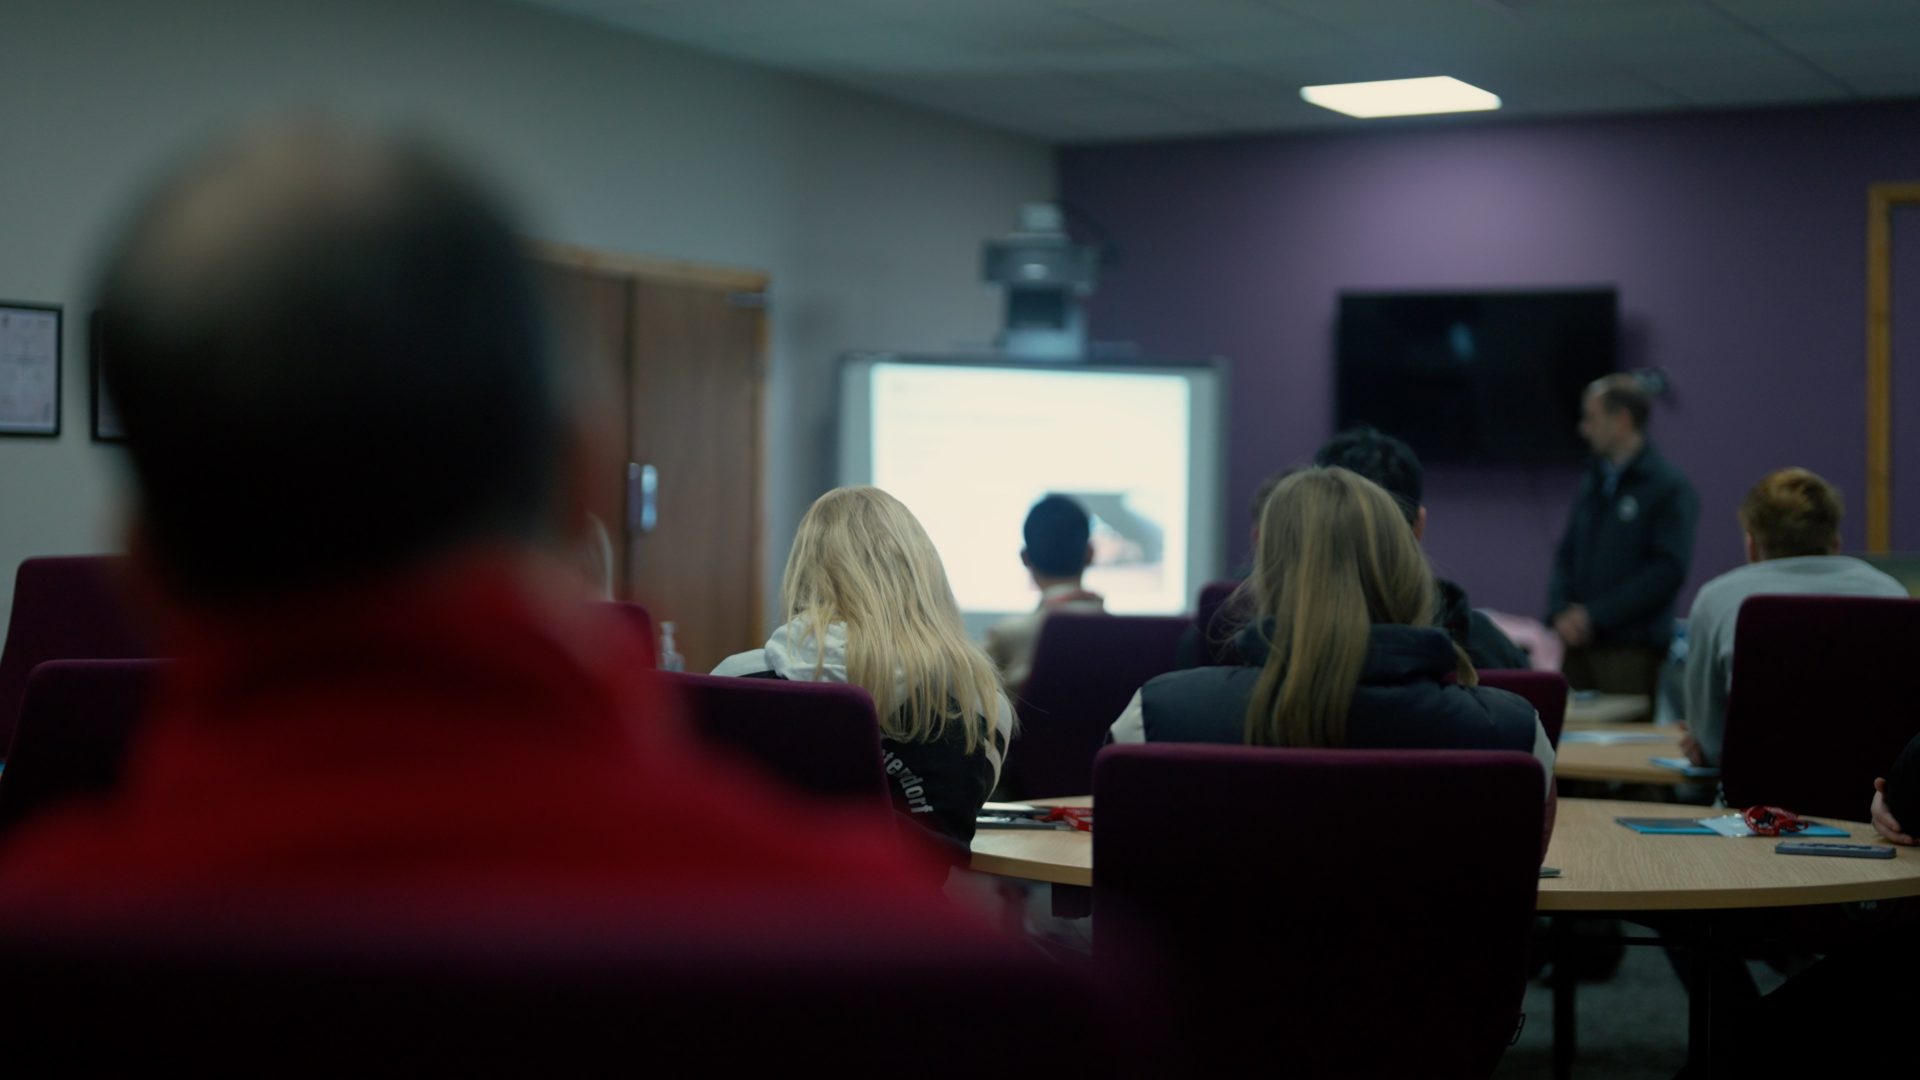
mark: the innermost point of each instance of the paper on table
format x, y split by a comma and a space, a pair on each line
1736, 825
1684, 767
1615, 738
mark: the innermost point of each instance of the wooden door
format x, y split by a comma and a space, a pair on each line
695, 395
592, 316
675, 354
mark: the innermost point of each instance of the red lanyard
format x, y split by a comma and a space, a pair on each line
1080, 817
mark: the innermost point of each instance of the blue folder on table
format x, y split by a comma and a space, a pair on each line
1679, 826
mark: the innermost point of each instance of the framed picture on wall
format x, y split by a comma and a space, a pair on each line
29, 369
106, 419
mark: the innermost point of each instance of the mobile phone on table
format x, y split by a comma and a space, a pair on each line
1844, 851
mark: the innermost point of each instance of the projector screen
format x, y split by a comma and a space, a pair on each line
969, 446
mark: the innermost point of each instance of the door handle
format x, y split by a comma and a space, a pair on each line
643, 490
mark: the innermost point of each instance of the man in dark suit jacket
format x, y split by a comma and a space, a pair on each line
1626, 549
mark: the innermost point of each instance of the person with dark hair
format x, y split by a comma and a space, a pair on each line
1790, 521
1896, 798
1058, 550
1623, 557
1393, 465
350, 454
1215, 642
1863, 983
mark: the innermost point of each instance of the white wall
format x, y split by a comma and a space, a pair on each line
867, 214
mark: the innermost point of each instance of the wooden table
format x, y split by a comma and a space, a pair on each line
1605, 868
1610, 709
1623, 762
1055, 856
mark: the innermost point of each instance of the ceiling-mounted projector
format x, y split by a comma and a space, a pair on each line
1047, 278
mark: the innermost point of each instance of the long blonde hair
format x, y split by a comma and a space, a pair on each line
1335, 557
862, 558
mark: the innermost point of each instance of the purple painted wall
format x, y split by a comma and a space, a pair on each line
1737, 241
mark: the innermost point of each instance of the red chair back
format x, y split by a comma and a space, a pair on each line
822, 738
75, 724
642, 622
1215, 623
1324, 912
64, 608
1546, 691
1085, 670
1825, 696
740, 990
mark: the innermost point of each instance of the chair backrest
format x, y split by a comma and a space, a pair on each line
642, 621
1825, 696
663, 994
1213, 623
76, 721
1325, 912
1546, 691
64, 608
822, 738
1085, 670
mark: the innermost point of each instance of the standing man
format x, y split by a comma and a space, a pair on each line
1624, 555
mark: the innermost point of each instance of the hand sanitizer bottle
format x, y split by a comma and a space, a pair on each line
670, 658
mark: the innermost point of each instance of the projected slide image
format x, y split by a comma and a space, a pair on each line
969, 450
1129, 546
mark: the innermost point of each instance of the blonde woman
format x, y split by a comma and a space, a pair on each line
1343, 652
868, 603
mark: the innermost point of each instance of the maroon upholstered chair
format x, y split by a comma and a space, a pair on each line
64, 608
1216, 623
1324, 912
822, 738
1823, 700
1546, 691
740, 990
642, 621
75, 723
1085, 670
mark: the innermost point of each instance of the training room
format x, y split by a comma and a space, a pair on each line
557, 534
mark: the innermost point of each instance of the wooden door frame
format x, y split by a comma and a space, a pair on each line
1882, 199
638, 268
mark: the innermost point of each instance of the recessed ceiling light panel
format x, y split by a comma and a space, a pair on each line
1401, 97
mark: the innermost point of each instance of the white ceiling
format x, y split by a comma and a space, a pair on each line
1091, 70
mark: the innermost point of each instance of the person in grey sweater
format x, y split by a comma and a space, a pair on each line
1792, 523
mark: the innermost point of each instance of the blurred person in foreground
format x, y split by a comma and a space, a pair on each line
351, 455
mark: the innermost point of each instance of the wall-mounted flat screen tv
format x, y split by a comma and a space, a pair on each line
1475, 376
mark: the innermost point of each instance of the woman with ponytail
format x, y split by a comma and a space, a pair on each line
1342, 651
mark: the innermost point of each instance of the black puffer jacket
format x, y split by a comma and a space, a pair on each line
1403, 701
1487, 647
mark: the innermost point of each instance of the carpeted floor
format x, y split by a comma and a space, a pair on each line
1630, 1027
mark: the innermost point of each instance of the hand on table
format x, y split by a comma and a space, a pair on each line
1690, 746
1573, 626
1883, 822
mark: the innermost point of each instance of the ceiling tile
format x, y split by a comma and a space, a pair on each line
1109, 69
1773, 14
